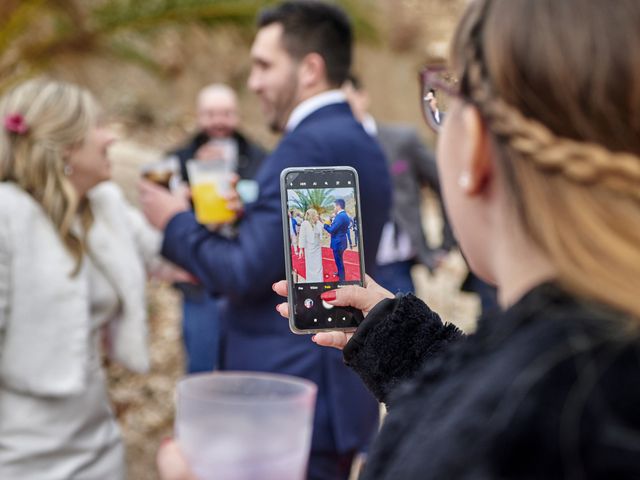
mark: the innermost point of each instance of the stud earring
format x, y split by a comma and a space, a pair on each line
464, 180
67, 170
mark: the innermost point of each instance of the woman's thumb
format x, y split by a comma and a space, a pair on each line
348, 296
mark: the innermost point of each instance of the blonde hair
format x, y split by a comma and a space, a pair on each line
58, 117
311, 212
564, 113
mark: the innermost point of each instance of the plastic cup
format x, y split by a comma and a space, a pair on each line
245, 425
163, 172
210, 181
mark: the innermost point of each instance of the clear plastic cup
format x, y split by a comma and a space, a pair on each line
210, 181
245, 425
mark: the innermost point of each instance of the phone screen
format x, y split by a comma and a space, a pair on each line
323, 231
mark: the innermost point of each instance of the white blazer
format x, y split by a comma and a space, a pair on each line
45, 321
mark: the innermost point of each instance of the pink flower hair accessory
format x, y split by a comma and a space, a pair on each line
15, 123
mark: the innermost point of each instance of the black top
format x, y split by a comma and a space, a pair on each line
549, 389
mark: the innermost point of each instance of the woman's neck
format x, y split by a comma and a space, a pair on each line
520, 265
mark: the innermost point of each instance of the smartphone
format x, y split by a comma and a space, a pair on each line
322, 228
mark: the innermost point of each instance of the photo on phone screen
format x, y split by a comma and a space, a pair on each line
321, 217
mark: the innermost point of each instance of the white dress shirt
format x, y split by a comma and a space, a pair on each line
310, 105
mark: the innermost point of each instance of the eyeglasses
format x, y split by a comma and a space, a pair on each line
438, 89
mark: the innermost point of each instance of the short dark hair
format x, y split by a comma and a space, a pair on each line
340, 203
355, 82
312, 26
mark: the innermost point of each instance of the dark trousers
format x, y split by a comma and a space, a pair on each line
201, 333
396, 277
330, 466
337, 256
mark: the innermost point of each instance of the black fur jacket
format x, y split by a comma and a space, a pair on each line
549, 389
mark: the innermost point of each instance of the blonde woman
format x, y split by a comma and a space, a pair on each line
310, 239
72, 277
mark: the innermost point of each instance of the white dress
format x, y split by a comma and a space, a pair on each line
72, 437
310, 239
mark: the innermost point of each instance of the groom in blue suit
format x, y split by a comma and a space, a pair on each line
300, 58
339, 230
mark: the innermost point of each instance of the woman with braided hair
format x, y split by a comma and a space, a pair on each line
540, 163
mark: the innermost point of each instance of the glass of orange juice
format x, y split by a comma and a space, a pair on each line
210, 182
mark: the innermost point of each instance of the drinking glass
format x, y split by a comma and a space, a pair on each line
164, 172
245, 425
210, 181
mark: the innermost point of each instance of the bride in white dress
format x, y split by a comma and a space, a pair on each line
309, 239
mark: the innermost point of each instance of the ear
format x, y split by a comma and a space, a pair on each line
312, 70
477, 170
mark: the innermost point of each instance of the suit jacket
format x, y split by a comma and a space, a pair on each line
244, 268
339, 229
412, 166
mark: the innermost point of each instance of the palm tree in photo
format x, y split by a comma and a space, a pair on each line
320, 199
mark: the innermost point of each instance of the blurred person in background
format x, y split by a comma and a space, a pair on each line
72, 280
539, 156
301, 56
219, 123
412, 167
218, 139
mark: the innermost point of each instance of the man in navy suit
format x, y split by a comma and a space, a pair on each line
300, 57
339, 230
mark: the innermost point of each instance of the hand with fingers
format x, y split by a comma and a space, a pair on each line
171, 462
159, 205
234, 202
362, 298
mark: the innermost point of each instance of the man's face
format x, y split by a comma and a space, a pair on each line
274, 76
218, 114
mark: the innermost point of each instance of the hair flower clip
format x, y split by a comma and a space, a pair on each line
15, 123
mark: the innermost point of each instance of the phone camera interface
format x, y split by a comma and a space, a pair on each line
323, 227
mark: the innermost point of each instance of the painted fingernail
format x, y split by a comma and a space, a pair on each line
329, 296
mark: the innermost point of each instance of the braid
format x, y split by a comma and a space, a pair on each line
582, 162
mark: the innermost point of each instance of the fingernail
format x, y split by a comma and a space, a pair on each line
329, 296
165, 440
313, 339
273, 287
278, 308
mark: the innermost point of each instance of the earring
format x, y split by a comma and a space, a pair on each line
464, 180
67, 170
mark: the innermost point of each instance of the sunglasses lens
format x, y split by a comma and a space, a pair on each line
437, 88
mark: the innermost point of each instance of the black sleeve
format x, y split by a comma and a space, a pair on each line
394, 340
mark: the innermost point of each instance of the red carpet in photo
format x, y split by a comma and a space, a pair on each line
351, 265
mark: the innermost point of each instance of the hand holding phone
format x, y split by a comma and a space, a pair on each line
310, 195
363, 299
